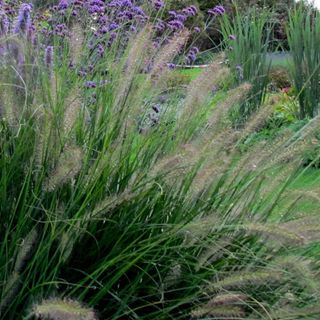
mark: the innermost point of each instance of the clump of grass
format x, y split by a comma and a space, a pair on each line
164, 223
303, 38
246, 39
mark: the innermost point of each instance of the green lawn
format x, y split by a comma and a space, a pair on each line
192, 73
302, 195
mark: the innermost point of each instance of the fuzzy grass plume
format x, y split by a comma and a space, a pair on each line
57, 309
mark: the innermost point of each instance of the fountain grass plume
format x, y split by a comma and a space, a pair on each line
62, 309
68, 166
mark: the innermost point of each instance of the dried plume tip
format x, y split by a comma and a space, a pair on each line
68, 166
248, 278
234, 97
219, 312
169, 51
72, 110
58, 309
173, 276
200, 88
9, 292
25, 250
227, 299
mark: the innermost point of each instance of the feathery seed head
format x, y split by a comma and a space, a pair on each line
168, 52
68, 166
57, 309
25, 250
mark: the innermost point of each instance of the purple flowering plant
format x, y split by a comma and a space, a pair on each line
107, 23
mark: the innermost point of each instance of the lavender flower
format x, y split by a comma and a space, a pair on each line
192, 55
172, 13
90, 84
190, 11
100, 49
160, 26
181, 17
197, 30
48, 56
158, 4
113, 37
113, 26
103, 19
63, 5
175, 25
217, 11
171, 66
23, 19
232, 37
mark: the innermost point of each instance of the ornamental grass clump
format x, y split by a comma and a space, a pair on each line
303, 33
100, 219
246, 41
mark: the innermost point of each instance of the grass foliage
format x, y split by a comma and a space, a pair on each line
246, 38
112, 209
304, 37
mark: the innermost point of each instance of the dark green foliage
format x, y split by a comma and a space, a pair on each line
304, 42
246, 41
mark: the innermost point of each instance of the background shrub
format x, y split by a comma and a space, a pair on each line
279, 78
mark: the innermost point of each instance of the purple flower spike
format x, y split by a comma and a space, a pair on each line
171, 66
195, 50
181, 17
63, 5
175, 25
160, 26
192, 55
90, 84
197, 30
100, 49
158, 4
193, 9
23, 19
217, 11
113, 26
172, 13
190, 11
232, 37
48, 56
